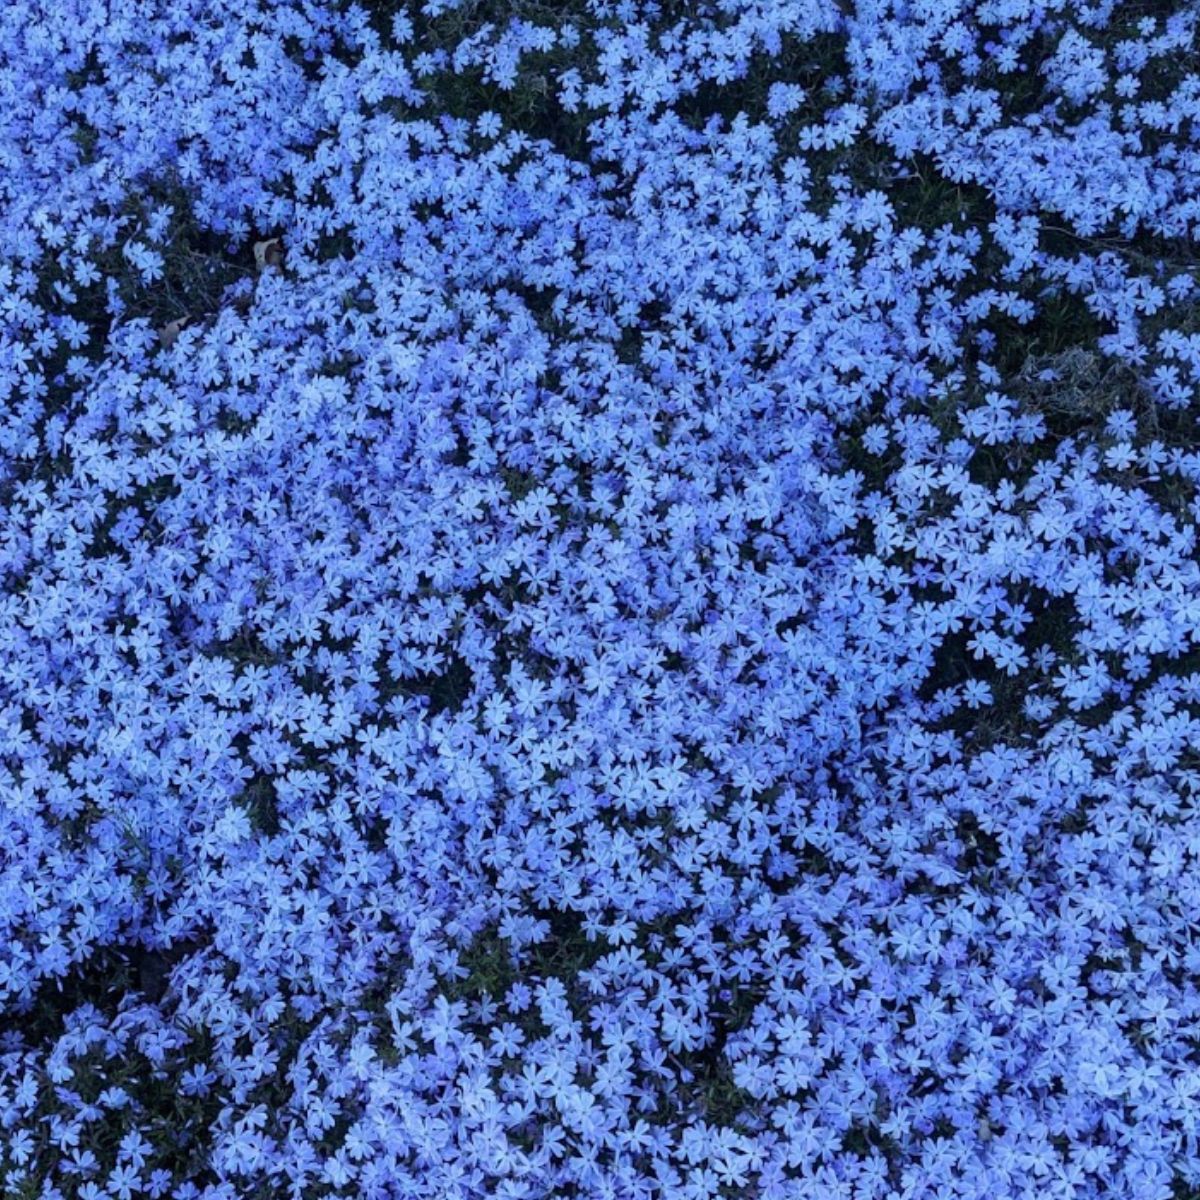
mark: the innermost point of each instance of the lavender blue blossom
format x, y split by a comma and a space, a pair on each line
599, 600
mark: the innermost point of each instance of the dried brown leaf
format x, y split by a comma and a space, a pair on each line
268, 254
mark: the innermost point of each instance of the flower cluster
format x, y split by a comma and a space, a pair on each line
599, 600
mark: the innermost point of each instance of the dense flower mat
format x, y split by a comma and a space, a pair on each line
599, 600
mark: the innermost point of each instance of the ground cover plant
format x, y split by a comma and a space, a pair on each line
599, 599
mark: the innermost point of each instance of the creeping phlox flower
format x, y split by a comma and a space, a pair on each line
599, 600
